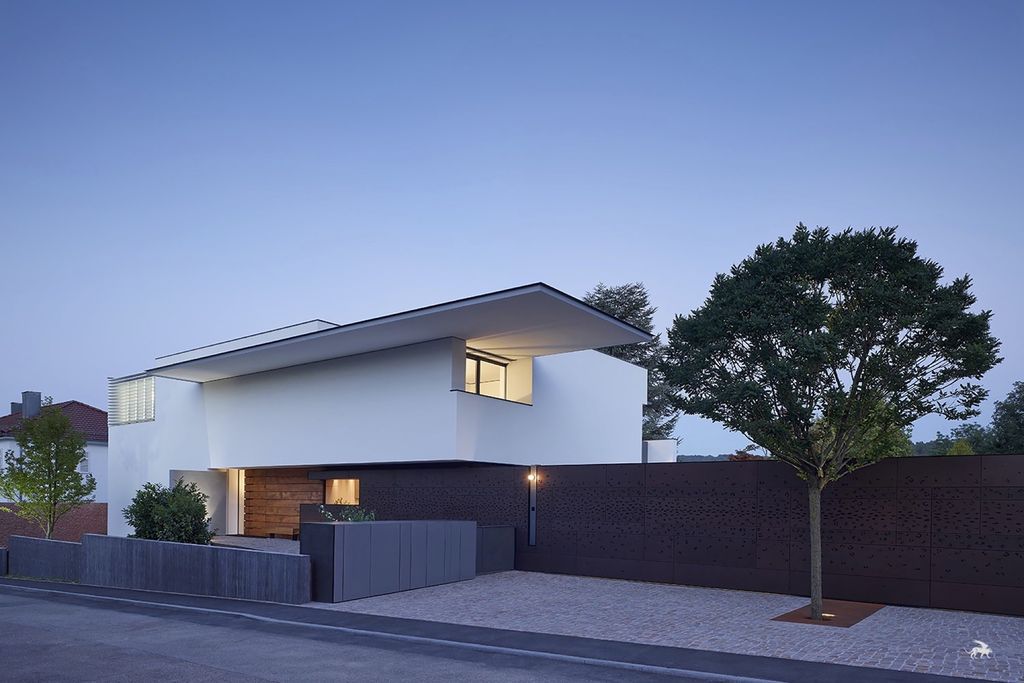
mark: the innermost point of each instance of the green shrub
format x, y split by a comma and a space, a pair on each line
174, 514
349, 513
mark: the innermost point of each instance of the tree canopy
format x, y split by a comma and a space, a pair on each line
42, 476
632, 303
852, 333
1008, 422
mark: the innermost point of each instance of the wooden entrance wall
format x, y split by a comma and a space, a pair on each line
272, 499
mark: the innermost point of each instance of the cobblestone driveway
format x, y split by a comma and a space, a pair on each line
906, 638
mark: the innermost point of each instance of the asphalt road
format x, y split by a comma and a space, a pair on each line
53, 638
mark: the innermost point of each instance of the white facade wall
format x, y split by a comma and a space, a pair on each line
397, 405
587, 408
147, 451
96, 453
387, 406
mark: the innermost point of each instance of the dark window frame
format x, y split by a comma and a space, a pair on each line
480, 359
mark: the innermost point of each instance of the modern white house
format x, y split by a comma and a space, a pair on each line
90, 422
509, 377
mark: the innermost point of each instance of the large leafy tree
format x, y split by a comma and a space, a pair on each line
824, 347
42, 476
631, 303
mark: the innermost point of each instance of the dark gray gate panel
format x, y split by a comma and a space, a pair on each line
355, 561
320, 547
467, 551
435, 553
3, 561
385, 557
418, 555
452, 552
374, 558
405, 557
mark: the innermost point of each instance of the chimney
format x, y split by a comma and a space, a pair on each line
15, 408
31, 403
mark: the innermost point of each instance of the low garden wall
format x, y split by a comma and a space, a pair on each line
352, 560
118, 562
195, 569
39, 558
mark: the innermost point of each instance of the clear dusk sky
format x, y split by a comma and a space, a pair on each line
178, 173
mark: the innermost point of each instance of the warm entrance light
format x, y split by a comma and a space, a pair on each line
531, 476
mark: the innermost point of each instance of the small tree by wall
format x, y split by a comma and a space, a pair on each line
42, 477
960, 447
177, 513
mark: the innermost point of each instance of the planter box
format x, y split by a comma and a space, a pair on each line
352, 560
39, 558
310, 512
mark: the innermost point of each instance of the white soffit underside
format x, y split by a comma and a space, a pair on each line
535, 320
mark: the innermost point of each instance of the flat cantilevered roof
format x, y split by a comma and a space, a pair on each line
533, 320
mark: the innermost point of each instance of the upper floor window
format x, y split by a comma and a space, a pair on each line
131, 400
485, 377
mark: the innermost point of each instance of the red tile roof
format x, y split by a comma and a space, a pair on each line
91, 422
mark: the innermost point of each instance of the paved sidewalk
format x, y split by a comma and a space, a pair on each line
900, 638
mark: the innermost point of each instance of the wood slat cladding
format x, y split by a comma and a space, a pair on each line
272, 499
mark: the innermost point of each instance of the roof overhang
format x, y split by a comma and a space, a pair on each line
528, 321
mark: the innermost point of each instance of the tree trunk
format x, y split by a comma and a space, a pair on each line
814, 498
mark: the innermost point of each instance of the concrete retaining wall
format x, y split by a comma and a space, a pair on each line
352, 560
39, 558
195, 569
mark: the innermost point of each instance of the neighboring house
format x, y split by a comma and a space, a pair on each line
509, 377
90, 422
